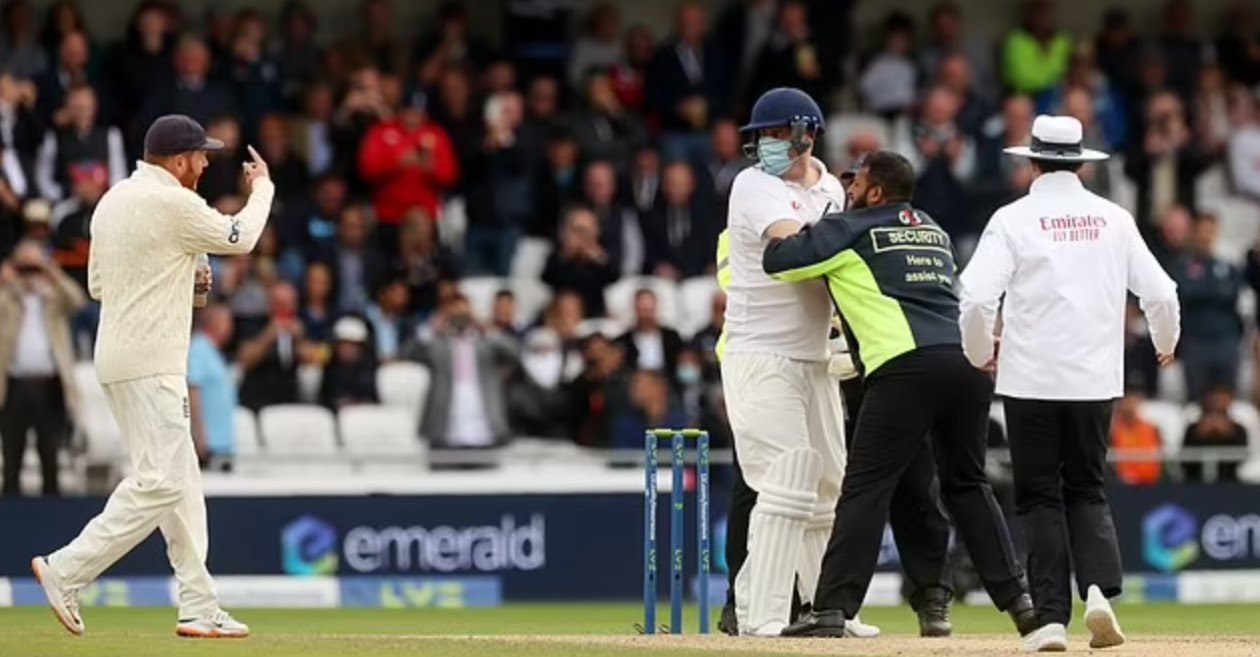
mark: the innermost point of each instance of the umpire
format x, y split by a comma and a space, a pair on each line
1064, 259
889, 269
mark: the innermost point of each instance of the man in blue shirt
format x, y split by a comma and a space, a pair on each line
212, 390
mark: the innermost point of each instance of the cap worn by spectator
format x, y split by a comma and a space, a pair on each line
350, 329
37, 211
175, 133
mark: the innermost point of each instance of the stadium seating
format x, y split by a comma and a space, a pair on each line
381, 438
403, 385
619, 299
1169, 419
530, 258
301, 438
695, 304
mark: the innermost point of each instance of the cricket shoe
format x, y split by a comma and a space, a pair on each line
64, 601
818, 623
728, 622
933, 613
1051, 637
219, 625
854, 628
1103, 627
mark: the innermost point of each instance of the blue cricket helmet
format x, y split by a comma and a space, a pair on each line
785, 106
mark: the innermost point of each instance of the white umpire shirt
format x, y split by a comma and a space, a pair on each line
1064, 258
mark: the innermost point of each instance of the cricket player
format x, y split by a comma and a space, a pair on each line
889, 269
147, 233
1065, 260
784, 408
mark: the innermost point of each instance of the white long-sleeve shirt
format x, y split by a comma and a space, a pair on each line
147, 232
1064, 258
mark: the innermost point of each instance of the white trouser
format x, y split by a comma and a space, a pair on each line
163, 492
777, 405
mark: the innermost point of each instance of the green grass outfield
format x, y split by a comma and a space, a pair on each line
534, 629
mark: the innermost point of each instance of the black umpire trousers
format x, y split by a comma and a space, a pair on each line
919, 526
39, 404
1059, 456
930, 391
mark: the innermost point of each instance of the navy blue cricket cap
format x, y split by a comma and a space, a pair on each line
175, 133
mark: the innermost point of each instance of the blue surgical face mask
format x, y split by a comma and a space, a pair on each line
774, 155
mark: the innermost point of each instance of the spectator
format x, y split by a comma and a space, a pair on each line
222, 177
358, 262
503, 318
253, 73
312, 131
705, 343
645, 179
727, 161
1078, 102
1238, 46
409, 162
290, 174
945, 158
553, 353
536, 36
219, 29
466, 405
464, 122
79, 148
269, 359
375, 45
73, 218
12, 188
949, 38
1181, 49
62, 17
391, 322
38, 388
790, 57
604, 129
580, 264
955, 74
861, 142
308, 226
1141, 367
555, 185
630, 76
1137, 441
19, 50
362, 107
1173, 241
1211, 111
71, 71
599, 48
212, 395
1109, 105
424, 262
600, 395
999, 179
37, 215
498, 77
142, 58
1164, 162
621, 236
499, 188
1119, 51
317, 311
889, 80
651, 405
241, 283
648, 345
1035, 56
536, 405
1215, 429
191, 92
1244, 147
1211, 330
20, 126
686, 85
296, 53
350, 376
450, 46
542, 116
680, 233
741, 30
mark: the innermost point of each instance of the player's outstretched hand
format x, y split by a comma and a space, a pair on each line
256, 168
1166, 359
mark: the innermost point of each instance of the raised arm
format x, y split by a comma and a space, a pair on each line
984, 282
808, 253
202, 229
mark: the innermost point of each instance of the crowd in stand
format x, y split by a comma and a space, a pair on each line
403, 167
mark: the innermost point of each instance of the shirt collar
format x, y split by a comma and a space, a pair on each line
1057, 181
156, 174
822, 175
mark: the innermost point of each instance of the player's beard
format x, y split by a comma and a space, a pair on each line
857, 203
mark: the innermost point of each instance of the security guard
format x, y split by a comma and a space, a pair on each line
1065, 260
889, 270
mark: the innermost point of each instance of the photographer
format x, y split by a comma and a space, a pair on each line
37, 388
581, 264
498, 189
1163, 162
946, 160
1215, 428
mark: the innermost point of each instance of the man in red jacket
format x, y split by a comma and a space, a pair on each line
408, 161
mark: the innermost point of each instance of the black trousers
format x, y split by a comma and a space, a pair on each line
1059, 454
931, 391
36, 404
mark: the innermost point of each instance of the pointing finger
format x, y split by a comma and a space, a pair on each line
254, 154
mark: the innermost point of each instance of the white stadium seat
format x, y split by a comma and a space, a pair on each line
302, 430
530, 258
695, 304
619, 299
532, 298
403, 385
309, 378
480, 291
1170, 419
381, 437
246, 425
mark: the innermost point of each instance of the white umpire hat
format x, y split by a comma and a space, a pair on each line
1057, 139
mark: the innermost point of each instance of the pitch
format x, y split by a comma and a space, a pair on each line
599, 630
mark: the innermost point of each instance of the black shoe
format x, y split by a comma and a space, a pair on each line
933, 614
818, 624
728, 623
1024, 615
801, 611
